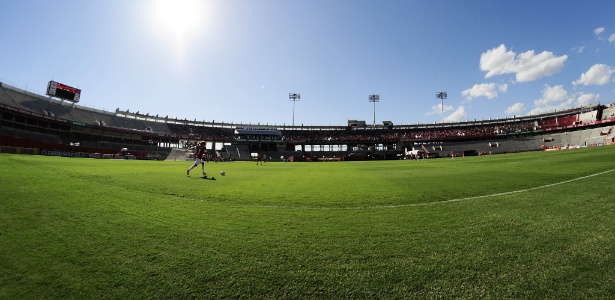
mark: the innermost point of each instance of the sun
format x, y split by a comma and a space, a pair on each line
178, 16
178, 23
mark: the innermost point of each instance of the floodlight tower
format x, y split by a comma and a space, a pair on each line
374, 99
294, 97
441, 96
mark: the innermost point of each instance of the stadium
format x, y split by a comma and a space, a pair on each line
38, 124
100, 207
163, 162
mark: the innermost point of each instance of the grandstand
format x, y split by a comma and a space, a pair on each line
32, 123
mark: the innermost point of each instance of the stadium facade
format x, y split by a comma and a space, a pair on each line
36, 124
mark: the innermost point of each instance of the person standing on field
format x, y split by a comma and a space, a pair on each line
198, 158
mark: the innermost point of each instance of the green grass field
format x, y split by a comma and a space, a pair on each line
529, 225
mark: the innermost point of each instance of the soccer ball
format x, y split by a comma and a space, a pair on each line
222, 173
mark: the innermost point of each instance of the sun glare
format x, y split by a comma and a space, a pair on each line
178, 22
178, 16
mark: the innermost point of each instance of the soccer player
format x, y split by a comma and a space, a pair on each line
198, 158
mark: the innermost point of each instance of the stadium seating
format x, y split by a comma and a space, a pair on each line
608, 113
115, 129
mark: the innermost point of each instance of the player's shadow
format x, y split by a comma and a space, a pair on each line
203, 177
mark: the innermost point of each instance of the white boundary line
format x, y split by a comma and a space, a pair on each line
403, 205
432, 203
498, 194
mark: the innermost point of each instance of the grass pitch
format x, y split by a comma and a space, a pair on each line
530, 225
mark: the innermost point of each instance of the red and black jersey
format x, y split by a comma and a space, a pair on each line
200, 150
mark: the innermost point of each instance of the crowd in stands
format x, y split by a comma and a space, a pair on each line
346, 135
340, 135
459, 131
249, 137
202, 132
468, 131
359, 134
387, 134
557, 122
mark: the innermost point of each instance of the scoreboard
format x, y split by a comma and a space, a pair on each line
62, 91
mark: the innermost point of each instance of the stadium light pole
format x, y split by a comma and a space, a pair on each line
374, 99
441, 96
294, 97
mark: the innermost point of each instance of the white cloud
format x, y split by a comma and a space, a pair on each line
579, 49
436, 109
587, 99
598, 74
598, 31
497, 61
458, 115
551, 94
612, 38
526, 66
515, 109
532, 67
557, 98
484, 90
478, 90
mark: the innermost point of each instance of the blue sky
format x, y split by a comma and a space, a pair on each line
237, 60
